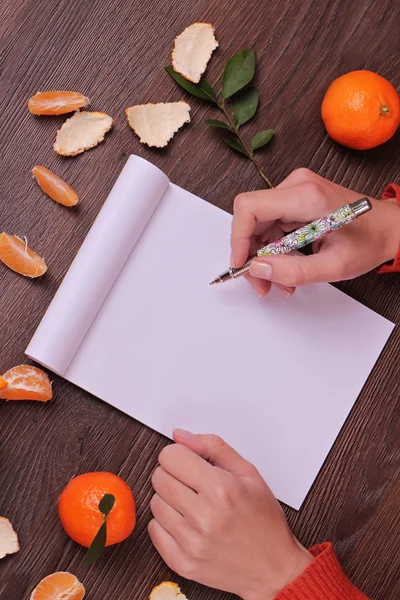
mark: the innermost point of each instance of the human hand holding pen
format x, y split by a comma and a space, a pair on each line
267, 215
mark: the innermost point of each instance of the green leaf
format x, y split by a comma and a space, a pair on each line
235, 145
217, 123
97, 546
106, 504
261, 138
238, 72
201, 90
244, 106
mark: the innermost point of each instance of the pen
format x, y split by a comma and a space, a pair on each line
303, 236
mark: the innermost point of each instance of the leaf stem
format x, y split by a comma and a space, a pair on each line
248, 152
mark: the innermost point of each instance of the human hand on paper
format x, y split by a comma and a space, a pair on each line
267, 215
217, 522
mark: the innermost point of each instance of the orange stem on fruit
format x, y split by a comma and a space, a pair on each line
385, 110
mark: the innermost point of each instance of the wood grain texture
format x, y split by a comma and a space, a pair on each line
114, 53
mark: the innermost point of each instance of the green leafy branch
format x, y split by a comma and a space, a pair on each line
96, 548
241, 100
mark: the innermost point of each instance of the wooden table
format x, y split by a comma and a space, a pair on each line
115, 52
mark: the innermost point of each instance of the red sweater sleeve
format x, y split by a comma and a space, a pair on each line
323, 579
392, 191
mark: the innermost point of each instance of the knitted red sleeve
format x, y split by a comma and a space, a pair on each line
323, 579
392, 191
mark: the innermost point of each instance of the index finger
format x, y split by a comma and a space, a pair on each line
302, 203
186, 466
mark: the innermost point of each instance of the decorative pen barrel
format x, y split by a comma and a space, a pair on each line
304, 236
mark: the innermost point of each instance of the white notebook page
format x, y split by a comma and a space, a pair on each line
275, 377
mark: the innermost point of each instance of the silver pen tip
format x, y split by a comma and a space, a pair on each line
221, 278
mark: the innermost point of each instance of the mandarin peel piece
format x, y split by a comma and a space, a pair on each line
83, 131
193, 49
55, 187
16, 255
156, 124
8, 538
26, 382
167, 591
56, 102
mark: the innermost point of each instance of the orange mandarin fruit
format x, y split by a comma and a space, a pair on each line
361, 110
56, 103
79, 512
16, 255
52, 185
59, 586
26, 382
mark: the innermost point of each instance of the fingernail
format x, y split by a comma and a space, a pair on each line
261, 269
286, 291
260, 293
183, 434
232, 260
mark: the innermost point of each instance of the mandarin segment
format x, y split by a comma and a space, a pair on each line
16, 255
55, 187
56, 102
3, 383
361, 110
78, 508
8, 538
59, 586
167, 591
26, 382
83, 131
156, 124
193, 49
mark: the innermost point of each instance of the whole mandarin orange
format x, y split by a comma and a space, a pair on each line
361, 110
78, 508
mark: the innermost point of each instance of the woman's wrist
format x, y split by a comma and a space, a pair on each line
391, 233
293, 565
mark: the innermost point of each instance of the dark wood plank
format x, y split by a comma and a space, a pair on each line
114, 52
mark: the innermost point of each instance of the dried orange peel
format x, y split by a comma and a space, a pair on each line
56, 103
156, 124
167, 591
55, 187
26, 382
16, 255
8, 538
193, 49
57, 586
83, 131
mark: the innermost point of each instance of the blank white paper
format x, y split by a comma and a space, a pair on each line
275, 377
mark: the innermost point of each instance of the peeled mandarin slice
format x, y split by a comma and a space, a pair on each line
15, 253
59, 586
52, 185
26, 383
8, 538
193, 49
156, 124
167, 591
3, 383
82, 131
56, 103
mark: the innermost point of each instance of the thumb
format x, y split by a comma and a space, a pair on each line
293, 271
217, 452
